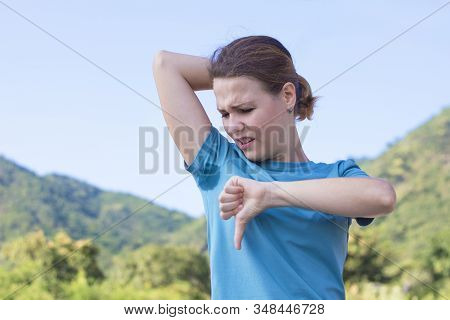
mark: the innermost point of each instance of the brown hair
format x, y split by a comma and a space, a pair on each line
266, 59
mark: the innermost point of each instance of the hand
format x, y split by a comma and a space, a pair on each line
243, 198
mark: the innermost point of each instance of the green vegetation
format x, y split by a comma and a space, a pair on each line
63, 268
49, 226
58, 203
416, 235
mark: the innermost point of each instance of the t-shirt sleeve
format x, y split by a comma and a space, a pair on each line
210, 157
349, 168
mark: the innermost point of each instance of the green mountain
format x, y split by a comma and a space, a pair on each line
419, 167
56, 202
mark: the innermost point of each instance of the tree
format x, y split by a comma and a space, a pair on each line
49, 263
364, 263
435, 263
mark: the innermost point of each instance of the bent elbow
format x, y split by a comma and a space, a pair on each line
160, 59
388, 198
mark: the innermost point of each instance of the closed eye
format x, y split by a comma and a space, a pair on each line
225, 115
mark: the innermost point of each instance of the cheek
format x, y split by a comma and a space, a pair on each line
258, 120
270, 114
267, 123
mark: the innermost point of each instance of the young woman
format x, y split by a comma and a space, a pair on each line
289, 232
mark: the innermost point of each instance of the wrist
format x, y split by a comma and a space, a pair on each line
273, 198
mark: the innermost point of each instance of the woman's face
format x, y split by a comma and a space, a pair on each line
257, 121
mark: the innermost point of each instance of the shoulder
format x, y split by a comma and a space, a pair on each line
212, 155
349, 168
339, 168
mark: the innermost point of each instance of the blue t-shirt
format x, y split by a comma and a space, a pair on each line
286, 252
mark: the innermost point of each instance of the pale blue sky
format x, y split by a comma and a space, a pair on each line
59, 113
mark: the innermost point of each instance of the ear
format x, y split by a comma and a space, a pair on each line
288, 94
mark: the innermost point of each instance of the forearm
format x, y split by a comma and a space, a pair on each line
346, 196
192, 68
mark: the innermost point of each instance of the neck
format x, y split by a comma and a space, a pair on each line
294, 152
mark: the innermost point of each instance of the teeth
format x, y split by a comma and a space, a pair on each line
246, 140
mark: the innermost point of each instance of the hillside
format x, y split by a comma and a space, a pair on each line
55, 202
419, 167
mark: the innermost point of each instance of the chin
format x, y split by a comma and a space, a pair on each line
252, 157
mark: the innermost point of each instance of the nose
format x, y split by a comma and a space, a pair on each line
235, 125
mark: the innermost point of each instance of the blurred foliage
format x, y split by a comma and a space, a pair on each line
364, 263
34, 267
414, 239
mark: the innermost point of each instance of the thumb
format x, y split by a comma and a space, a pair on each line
239, 228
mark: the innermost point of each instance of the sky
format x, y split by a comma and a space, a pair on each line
76, 84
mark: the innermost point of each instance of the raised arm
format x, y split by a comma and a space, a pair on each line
177, 77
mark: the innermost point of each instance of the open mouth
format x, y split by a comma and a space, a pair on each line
245, 143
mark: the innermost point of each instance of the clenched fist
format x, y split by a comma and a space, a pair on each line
244, 199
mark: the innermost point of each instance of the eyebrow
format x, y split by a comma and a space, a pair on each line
235, 106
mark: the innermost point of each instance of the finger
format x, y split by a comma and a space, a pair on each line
229, 197
239, 228
234, 189
227, 215
230, 205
